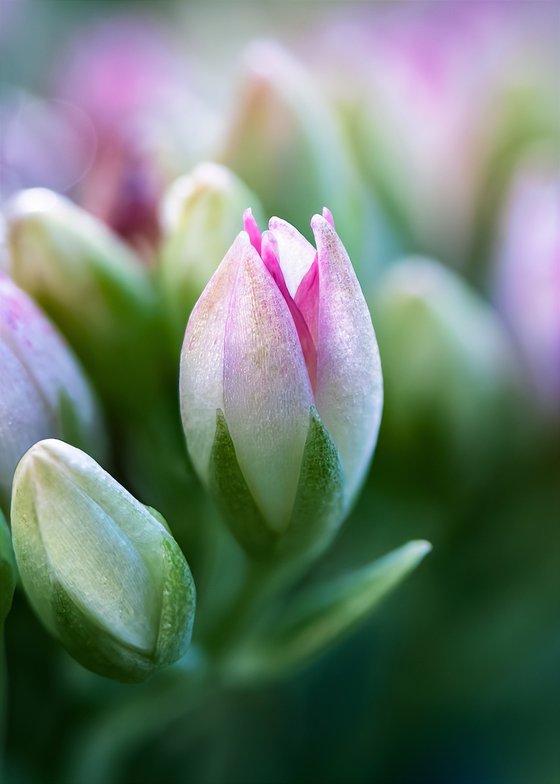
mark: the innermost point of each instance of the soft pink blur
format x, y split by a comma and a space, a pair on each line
527, 275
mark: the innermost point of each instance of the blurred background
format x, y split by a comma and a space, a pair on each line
432, 132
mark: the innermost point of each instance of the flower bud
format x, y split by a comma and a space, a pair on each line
7, 571
43, 391
281, 386
285, 142
449, 368
200, 216
100, 569
92, 286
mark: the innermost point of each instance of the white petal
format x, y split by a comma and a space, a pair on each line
349, 392
202, 357
267, 393
296, 253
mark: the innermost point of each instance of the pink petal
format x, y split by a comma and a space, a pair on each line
267, 394
270, 259
252, 229
307, 298
296, 254
349, 383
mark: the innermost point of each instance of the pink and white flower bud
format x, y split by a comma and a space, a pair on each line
43, 391
282, 331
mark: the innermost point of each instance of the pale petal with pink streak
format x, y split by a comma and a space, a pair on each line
296, 253
202, 357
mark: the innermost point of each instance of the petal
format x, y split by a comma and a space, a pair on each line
48, 360
24, 417
307, 298
296, 253
270, 255
349, 390
201, 374
251, 227
328, 216
267, 394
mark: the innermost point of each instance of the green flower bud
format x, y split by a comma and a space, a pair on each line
92, 286
201, 215
286, 143
449, 368
7, 570
101, 571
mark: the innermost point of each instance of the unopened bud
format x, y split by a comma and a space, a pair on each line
101, 571
200, 216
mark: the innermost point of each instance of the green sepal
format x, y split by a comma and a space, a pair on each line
7, 570
95, 649
102, 653
178, 605
324, 614
319, 503
319, 506
228, 486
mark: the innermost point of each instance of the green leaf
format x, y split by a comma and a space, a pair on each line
326, 613
319, 504
7, 570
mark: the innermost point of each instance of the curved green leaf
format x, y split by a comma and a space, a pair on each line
326, 613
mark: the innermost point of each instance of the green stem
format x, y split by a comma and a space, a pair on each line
263, 584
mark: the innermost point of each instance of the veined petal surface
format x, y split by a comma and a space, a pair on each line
267, 393
349, 390
202, 357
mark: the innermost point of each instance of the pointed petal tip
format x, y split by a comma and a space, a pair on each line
252, 229
419, 548
328, 216
275, 221
269, 242
320, 224
39, 455
241, 239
